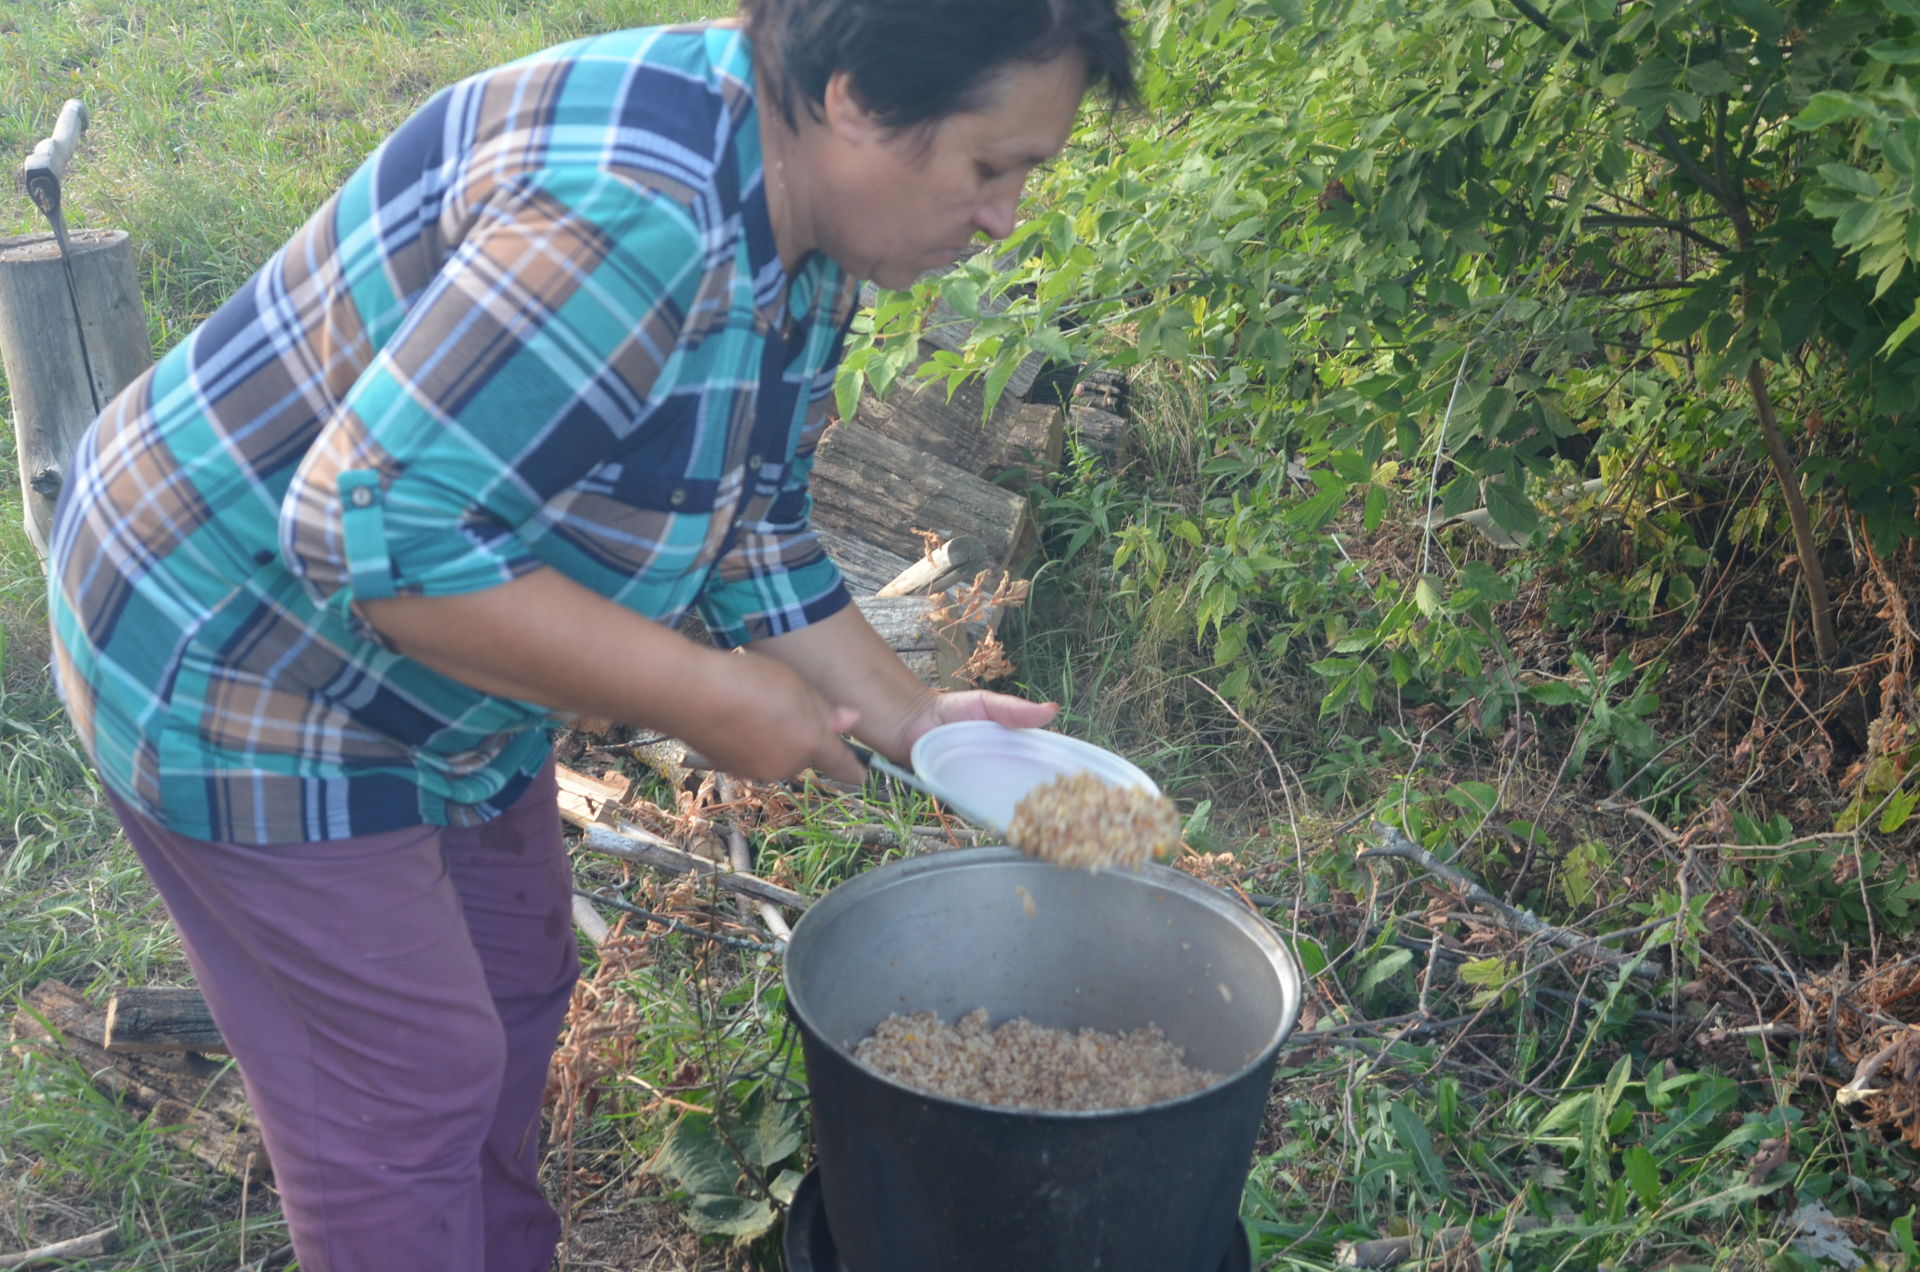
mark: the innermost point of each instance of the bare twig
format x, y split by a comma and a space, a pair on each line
1395, 844
631, 843
89, 1246
742, 858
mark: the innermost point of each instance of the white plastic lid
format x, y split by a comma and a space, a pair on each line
989, 767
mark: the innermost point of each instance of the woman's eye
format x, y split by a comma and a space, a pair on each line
987, 172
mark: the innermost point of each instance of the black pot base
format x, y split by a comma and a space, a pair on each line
808, 1246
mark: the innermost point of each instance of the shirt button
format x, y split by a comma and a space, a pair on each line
753, 461
362, 496
678, 497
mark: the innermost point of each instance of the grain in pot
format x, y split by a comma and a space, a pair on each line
1021, 1065
1079, 820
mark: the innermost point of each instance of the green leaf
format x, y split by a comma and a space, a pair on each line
767, 1130
1388, 965
1831, 107
1895, 52
1475, 797
1642, 1174
962, 294
1414, 1136
1763, 17
1847, 177
1511, 510
1899, 808
1905, 330
692, 1156
1426, 596
1711, 78
1376, 507
741, 1218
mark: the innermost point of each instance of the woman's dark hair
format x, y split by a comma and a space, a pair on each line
914, 61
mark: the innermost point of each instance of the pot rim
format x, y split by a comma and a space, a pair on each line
879, 879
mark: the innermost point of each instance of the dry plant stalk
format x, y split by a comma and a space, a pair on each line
597, 1038
1079, 820
1874, 1021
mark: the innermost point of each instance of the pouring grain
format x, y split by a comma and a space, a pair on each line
1022, 1065
1079, 820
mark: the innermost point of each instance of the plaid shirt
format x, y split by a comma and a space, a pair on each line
544, 324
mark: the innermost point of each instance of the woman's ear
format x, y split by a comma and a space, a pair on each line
847, 117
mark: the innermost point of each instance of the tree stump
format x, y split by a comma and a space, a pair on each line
41, 352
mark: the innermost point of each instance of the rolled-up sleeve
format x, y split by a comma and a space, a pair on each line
549, 334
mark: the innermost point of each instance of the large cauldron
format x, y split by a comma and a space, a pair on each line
921, 1183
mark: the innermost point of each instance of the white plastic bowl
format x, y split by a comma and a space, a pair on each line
988, 767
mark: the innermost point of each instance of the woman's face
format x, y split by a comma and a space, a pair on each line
897, 205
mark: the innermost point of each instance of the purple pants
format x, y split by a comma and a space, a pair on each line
392, 1002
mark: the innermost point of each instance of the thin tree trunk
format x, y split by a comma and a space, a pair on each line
1824, 643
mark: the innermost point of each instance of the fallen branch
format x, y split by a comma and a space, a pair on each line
94, 1244
742, 859
588, 920
1395, 844
635, 844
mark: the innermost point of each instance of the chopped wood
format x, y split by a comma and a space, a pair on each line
1017, 443
90, 1246
1101, 432
632, 843
875, 488
866, 568
199, 1099
935, 650
153, 1018
957, 558
585, 800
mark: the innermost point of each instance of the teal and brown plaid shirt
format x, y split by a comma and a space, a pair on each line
544, 324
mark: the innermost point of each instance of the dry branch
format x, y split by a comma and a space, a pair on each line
959, 557
632, 843
90, 1246
741, 858
1395, 844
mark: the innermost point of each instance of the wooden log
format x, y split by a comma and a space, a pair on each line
632, 843
958, 558
934, 650
1019, 443
880, 490
150, 1018
865, 567
585, 800
1101, 432
199, 1099
41, 352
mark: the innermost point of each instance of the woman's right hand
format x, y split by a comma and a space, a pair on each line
767, 724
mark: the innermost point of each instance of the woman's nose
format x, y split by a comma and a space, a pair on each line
997, 215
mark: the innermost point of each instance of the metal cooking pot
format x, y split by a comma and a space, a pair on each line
913, 1182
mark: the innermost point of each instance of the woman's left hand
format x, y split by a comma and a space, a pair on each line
978, 704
